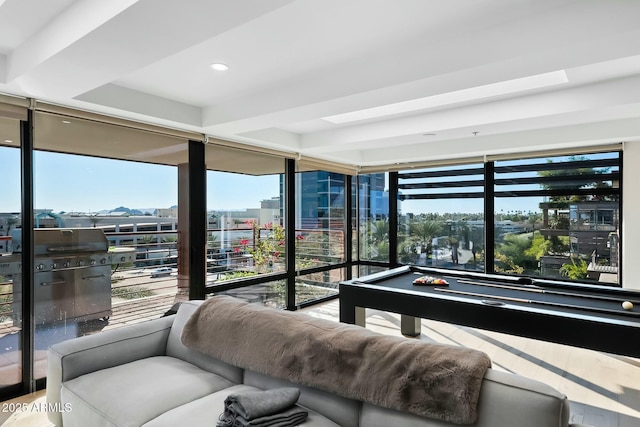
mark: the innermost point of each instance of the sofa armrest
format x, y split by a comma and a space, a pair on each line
70, 359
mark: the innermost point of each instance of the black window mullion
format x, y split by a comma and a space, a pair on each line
582, 180
290, 235
565, 165
489, 218
476, 195
443, 184
27, 219
348, 223
393, 218
560, 192
197, 220
440, 173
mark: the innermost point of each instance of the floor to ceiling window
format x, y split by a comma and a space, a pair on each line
321, 225
109, 249
373, 220
105, 227
559, 217
10, 260
441, 217
245, 224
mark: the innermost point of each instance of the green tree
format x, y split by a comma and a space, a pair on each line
376, 236
504, 264
575, 271
212, 241
146, 239
379, 231
533, 219
424, 230
512, 252
266, 249
539, 246
588, 178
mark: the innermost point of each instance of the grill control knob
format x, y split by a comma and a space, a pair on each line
123, 259
39, 266
54, 265
92, 262
66, 264
78, 263
103, 261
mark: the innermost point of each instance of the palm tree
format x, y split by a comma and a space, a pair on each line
212, 238
11, 221
425, 231
533, 219
380, 231
94, 219
463, 230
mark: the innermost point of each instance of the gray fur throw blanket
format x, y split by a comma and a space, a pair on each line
431, 380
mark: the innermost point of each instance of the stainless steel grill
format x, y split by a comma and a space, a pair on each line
72, 275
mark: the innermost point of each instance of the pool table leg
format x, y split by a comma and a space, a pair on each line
361, 316
410, 326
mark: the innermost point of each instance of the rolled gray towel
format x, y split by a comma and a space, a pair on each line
263, 408
288, 418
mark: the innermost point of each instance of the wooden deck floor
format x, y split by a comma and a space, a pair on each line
604, 389
126, 313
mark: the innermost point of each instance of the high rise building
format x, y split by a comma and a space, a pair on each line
374, 200
320, 199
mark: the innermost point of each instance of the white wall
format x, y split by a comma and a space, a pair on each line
631, 216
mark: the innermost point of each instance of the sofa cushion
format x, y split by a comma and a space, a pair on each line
204, 412
505, 400
137, 392
342, 411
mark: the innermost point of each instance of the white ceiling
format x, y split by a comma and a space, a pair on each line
293, 62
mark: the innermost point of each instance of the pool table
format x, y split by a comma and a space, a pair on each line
588, 316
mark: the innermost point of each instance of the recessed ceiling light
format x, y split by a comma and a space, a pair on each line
218, 66
429, 134
448, 98
8, 140
66, 122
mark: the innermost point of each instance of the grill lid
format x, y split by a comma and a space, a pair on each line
58, 241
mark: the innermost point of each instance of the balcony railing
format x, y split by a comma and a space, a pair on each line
231, 254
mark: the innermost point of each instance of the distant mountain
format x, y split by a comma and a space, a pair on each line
148, 211
130, 211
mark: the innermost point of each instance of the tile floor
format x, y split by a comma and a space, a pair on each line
604, 389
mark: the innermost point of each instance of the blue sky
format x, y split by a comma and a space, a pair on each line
85, 184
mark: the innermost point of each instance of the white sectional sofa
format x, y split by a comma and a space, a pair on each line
143, 375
